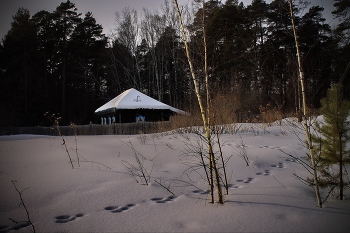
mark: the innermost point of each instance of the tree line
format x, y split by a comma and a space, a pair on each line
62, 62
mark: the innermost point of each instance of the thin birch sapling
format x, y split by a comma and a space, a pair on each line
305, 113
218, 131
213, 170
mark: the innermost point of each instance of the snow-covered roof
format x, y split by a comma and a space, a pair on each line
133, 99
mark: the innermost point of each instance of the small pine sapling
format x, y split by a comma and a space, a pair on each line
331, 138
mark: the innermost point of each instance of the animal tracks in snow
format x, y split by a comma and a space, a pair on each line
290, 160
18, 226
230, 186
261, 147
116, 209
160, 200
201, 191
279, 165
247, 181
265, 173
67, 218
163, 200
271, 147
112, 209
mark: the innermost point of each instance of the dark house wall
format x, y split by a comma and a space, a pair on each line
129, 115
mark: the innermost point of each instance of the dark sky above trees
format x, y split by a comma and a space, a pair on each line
104, 10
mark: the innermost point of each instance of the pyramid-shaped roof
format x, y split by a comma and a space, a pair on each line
133, 99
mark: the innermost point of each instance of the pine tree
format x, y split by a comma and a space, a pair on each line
332, 139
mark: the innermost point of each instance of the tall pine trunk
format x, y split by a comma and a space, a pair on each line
341, 183
63, 104
26, 81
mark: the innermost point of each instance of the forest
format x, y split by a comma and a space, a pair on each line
61, 62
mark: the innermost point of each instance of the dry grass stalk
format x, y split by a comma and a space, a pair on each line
56, 122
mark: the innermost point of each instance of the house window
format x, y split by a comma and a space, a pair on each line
140, 118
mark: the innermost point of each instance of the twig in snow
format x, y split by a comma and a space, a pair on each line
164, 187
278, 181
29, 222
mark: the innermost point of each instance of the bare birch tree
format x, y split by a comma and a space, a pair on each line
305, 113
205, 117
152, 27
127, 34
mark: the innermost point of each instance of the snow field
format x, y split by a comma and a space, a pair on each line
101, 196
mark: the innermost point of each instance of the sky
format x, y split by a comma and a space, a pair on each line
104, 10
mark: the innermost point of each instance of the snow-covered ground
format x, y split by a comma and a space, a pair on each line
102, 196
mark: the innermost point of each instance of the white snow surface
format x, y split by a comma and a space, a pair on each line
263, 197
133, 99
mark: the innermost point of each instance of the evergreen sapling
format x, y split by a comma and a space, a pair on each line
330, 138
